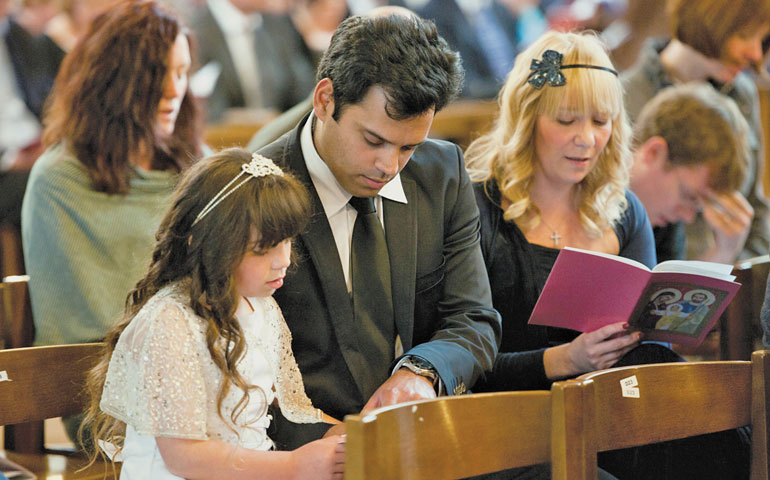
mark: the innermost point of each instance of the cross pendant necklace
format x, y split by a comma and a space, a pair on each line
555, 237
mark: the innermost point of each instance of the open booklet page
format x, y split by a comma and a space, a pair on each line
697, 267
680, 312
708, 269
679, 303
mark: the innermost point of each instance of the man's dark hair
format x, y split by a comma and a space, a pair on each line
405, 56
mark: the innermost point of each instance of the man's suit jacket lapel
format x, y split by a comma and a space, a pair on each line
319, 242
401, 236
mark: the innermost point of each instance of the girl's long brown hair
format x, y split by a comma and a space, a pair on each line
104, 102
206, 256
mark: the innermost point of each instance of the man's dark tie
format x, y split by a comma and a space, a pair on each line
372, 298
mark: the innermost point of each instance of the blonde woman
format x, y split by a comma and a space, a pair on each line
552, 173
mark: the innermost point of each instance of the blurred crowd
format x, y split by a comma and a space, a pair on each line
257, 57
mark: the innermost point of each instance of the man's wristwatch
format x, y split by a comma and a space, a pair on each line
420, 367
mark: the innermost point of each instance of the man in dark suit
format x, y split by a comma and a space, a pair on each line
379, 85
273, 67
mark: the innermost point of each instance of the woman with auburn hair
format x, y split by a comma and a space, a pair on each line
120, 127
712, 41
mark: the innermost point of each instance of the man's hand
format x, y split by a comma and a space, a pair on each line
402, 386
729, 215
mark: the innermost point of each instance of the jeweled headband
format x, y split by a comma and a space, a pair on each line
259, 166
548, 70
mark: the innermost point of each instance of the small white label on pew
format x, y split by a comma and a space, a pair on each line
629, 382
629, 387
4, 376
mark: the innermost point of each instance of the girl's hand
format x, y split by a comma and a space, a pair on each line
321, 459
591, 351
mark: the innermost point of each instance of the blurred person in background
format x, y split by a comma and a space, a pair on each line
690, 147
118, 130
713, 41
71, 23
361, 7
488, 34
28, 66
34, 15
261, 59
316, 21
291, 117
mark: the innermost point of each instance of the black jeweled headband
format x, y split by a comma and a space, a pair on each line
548, 70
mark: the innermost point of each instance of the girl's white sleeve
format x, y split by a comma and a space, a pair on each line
155, 381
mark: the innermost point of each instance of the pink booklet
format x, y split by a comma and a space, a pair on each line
679, 301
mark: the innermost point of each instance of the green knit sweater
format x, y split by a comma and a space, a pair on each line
85, 250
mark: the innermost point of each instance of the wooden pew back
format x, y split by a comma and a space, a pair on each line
450, 437
37, 383
658, 403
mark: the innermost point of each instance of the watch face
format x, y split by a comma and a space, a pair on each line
421, 367
420, 363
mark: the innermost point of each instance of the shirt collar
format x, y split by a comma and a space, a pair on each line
333, 196
231, 20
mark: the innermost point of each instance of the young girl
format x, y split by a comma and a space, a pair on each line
202, 348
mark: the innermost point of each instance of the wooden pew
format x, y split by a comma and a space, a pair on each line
739, 325
593, 413
16, 325
449, 437
463, 121
48, 382
11, 256
237, 128
17, 330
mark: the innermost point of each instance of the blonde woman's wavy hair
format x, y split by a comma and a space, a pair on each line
507, 153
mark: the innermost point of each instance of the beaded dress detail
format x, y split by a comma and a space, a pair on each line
162, 382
